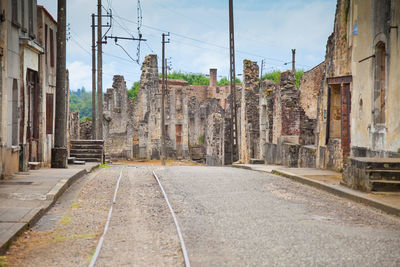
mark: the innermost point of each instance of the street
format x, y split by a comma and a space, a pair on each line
228, 217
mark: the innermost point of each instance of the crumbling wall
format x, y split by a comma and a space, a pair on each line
266, 114
118, 126
215, 140
290, 104
85, 130
145, 110
250, 120
74, 128
310, 85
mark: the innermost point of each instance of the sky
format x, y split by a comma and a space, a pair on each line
199, 35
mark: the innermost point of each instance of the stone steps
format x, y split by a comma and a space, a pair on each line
373, 174
257, 161
34, 165
87, 150
385, 185
384, 174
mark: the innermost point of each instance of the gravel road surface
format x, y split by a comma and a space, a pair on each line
228, 217
235, 217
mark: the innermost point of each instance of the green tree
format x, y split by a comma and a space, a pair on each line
81, 101
225, 81
133, 92
276, 74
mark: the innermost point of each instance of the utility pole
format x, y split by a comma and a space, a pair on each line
163, 100
234, 131
59, 153
99, 120
94, 112
294, 60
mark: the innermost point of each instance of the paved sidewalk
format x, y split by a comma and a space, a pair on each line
330, 181
25, 197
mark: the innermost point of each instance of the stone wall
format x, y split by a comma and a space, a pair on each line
290, 105
310, 85
215, 140
85, 132
145, 110
74, 128
250, 120
118, 123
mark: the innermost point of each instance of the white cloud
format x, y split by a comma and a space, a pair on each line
263, 28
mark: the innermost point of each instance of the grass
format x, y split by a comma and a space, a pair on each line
3, 261
83, 236
104, 166
65, 220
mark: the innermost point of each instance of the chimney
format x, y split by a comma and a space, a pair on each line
213, 78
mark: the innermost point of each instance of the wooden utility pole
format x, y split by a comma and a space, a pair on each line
99, 121
294, 60
94, 112
234, 131
59, 154
163, 100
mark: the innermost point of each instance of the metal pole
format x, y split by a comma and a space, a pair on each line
234, 132
94, 133
99, 120
162, 103
294, 60
60, 152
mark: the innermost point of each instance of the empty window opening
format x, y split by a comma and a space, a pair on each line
380, 84
335, 112
178, 131
51, 48
49, 113
15, 114
14, 14
30, 14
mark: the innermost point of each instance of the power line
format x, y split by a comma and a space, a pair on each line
208, 43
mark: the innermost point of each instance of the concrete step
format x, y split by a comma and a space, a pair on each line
86, 151
385, 186
377, 163
90, 159
87, 142
257, 161
86, 146
34, 165
393, 175
79, 162
79, 156
71, 160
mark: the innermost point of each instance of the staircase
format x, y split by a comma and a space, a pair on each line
88, 150
375, 174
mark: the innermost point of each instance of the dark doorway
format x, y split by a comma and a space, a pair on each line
32, 136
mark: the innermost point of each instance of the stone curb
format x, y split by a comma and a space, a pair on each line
340, 192
51, 199
349, 194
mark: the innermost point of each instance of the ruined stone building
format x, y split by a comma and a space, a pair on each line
359, 110
28, 60
344, 115
194, 118
197, 118
288, 118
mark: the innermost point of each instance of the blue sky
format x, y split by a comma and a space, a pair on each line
264, 29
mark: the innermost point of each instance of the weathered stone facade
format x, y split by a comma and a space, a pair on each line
117, 121
288, 118
249, 113
195, 122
